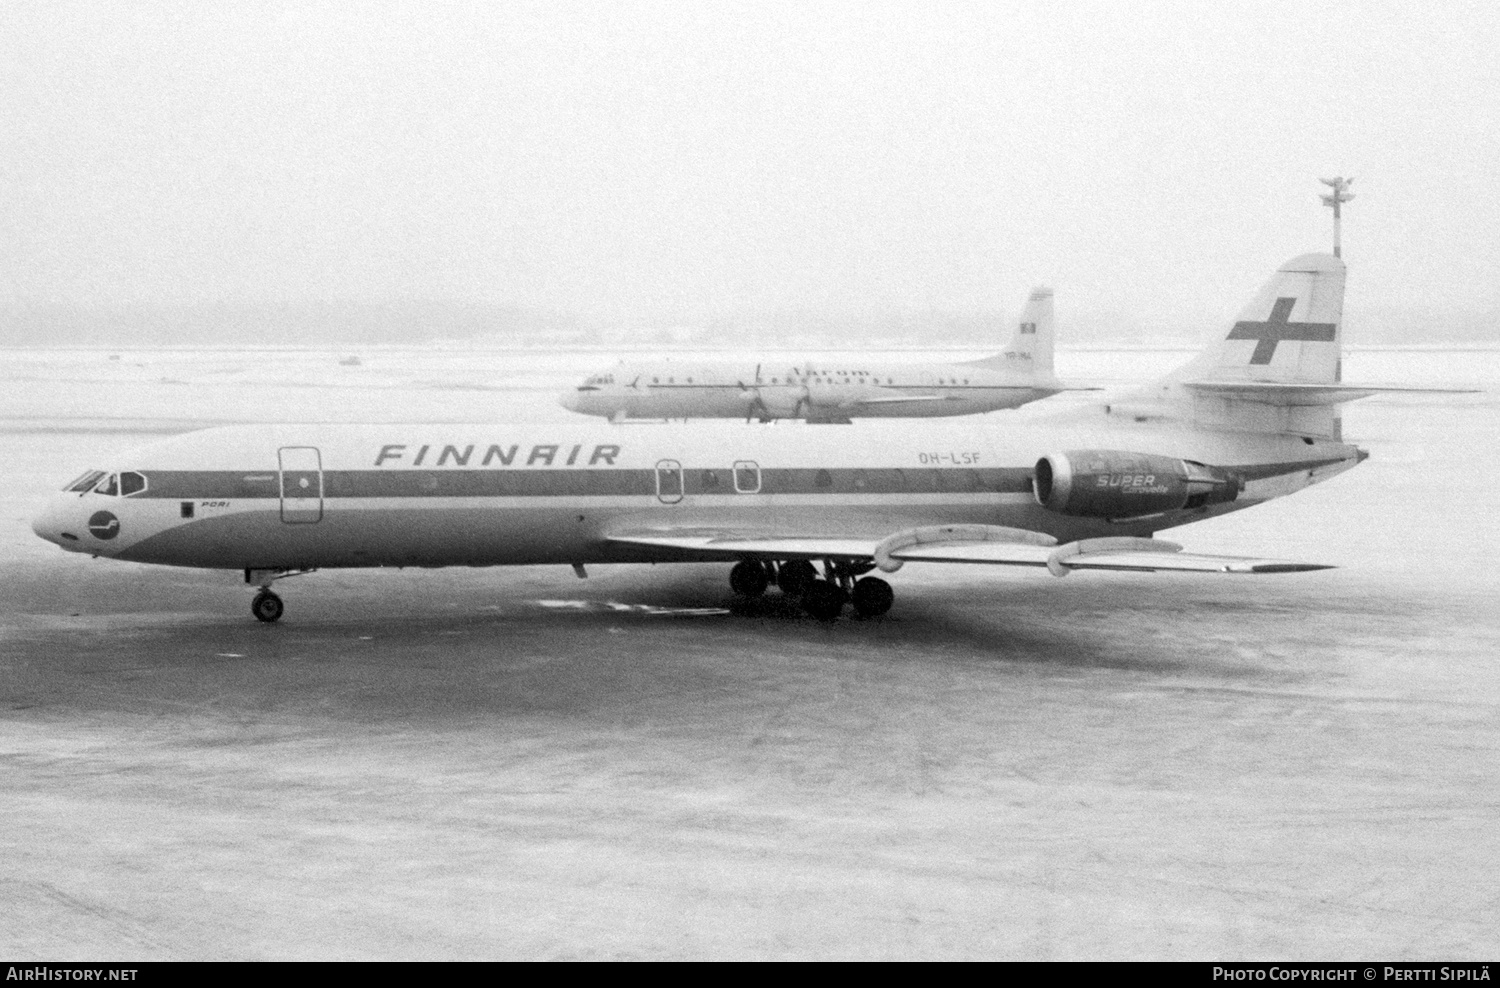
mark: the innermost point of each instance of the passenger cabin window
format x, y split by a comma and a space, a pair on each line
746, 477
131, 483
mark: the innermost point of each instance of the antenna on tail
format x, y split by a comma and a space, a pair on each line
1340, 194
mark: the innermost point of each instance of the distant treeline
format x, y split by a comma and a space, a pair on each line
310, 324
353, 324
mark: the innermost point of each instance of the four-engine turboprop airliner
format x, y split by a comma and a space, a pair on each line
830, 391
812, 511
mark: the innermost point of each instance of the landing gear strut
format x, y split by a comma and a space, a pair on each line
267, 606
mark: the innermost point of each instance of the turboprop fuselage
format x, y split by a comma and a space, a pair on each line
832, 390
806, 390
289, 497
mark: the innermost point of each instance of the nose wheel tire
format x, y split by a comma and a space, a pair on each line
872, 597
267, 607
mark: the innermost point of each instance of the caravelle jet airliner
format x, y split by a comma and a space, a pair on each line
812, 511
831, 391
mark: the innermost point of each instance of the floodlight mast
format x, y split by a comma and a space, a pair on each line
1340, 194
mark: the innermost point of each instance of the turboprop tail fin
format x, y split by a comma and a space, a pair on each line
1029, 352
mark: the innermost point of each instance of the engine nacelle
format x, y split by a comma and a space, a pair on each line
1093, 483
777, 401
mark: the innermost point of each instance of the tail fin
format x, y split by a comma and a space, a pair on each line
1280, 367
1029, 352
1289, 334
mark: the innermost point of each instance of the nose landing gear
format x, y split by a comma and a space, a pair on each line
267, 607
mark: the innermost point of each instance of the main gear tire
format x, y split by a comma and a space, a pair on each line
748, 578
872, 597
824, 600
795, 577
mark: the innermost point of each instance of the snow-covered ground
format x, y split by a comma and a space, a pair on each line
517, 764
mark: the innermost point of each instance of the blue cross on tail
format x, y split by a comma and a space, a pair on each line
1275, 329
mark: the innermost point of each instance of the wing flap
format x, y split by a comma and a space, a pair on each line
984, 545
729, 545
1125, 554
993, 553
1151, 562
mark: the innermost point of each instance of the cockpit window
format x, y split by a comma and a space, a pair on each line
109, 486
84, 481
131, 483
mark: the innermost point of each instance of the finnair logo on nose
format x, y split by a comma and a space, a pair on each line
103, 525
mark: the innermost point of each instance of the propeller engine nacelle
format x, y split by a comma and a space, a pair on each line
1094, 483
777, 402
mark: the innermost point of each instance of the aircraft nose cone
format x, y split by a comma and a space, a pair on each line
569, 400
48, 524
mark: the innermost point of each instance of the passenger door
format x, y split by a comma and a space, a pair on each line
668, 481
301, 484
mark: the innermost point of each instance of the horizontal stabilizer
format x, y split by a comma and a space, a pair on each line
1280, 393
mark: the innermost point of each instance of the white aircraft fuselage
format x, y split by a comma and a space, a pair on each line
807, 390
831, 390
288, 497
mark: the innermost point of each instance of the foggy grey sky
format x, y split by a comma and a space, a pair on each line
632, 161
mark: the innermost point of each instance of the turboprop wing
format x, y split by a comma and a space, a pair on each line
902, 399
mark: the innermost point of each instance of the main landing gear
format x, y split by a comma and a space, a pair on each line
823, 598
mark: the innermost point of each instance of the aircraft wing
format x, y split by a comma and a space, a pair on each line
901, 399
1278, 393
731, 546
982, 544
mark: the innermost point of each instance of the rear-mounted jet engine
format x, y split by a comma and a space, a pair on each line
1093, 483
